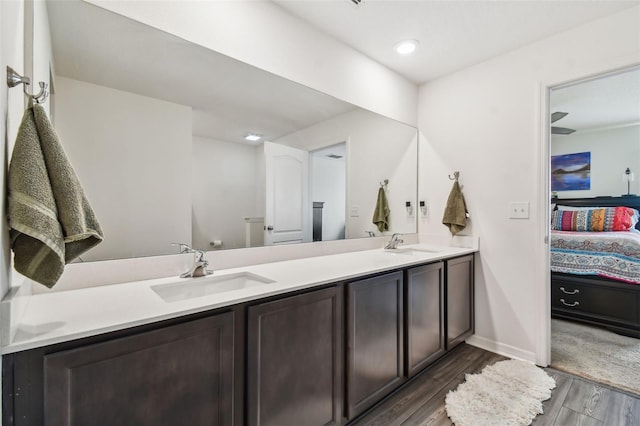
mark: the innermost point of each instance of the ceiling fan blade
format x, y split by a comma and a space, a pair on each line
558, 115
561, 130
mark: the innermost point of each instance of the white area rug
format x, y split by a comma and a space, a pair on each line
596, 354
507, 393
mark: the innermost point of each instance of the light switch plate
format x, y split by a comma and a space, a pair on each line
519, 210
354, 211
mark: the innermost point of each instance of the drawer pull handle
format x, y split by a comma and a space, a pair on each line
576, 291
569, 304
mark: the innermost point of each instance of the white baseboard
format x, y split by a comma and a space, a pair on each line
501, 348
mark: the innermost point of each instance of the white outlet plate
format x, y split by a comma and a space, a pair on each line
519, 210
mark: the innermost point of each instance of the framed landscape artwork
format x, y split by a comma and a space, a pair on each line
571, 172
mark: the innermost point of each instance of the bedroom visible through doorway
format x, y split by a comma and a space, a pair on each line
595, 235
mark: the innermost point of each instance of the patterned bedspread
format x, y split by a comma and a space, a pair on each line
613, 255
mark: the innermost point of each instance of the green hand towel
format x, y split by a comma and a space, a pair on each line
381, 212
50, 218
455, 213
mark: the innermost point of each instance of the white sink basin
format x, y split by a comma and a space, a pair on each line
189, 288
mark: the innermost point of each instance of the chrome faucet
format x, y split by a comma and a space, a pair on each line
393, 243
200, 263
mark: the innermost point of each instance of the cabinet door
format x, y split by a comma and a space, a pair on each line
179, 375
294, 359
460, 305
375, 340
425, 316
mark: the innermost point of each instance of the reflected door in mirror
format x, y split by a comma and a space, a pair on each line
287, 214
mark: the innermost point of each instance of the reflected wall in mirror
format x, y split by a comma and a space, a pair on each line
155, 127
605, 114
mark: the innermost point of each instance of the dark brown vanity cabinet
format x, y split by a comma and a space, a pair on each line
177, 375
317, 357
460, 305
375, 340
425, 315
295, 360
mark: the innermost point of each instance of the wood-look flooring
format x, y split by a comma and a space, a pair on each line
574, 401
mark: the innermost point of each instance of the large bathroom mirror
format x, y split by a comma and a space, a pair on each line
156, 128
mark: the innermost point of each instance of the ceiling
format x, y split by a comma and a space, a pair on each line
457, 34
452, 34
611, 101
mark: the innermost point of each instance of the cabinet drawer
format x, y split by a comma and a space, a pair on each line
602, 301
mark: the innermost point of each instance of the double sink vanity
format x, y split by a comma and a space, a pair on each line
318, 340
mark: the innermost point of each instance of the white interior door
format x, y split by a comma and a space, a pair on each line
288, 208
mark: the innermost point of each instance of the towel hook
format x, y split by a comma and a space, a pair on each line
455, 177
384, 183
14, 79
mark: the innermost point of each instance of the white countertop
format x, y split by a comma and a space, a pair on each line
62, 316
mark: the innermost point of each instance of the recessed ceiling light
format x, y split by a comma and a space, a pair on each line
406, 47
253, 137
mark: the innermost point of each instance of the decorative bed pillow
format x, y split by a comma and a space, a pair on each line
605, 219
575, 208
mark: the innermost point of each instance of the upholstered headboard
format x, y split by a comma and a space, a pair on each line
632, 201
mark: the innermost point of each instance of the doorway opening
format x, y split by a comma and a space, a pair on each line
594, 155
329, 191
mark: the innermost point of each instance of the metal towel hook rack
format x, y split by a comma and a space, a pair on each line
14, 79
455, 177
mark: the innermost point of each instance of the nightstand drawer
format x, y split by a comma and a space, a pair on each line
595, 300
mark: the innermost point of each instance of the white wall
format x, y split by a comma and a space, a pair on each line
329, 185
377, 149
262, 34
260, 180
612, 151
12, 104
486, 121
41, 69
134, 163
224, 192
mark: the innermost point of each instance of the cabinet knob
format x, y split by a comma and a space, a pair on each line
269, 228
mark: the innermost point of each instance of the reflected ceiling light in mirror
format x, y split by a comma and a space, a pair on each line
406, 47
253, 137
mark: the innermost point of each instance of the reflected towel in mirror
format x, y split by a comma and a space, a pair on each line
381, 212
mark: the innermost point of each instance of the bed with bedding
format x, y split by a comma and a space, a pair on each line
595, 262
